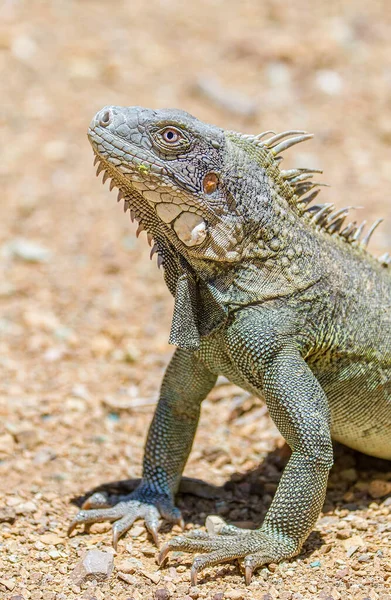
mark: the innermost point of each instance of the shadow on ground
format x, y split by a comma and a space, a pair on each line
245, 497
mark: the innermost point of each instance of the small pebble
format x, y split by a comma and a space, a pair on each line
181, 568
154, 577
130, 565
315, 564
148, 550
7, 444
27, 438
7, 515
364, 557
100, 527
8, 583
25, 508
51, 539
94, 565
359, 523
328, 81
342, 573
354, 540
351, 550
172, 573
39, 545
26, 250
379, 488
137, 531
162, 594
127, 577
344, 534
234, 594
214, 524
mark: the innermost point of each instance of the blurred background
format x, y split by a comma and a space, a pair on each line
84, 314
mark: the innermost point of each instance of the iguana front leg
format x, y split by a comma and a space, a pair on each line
185, 384
273, 364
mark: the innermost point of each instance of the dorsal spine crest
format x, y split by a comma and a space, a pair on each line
294, 184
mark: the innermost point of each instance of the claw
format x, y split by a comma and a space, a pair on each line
248, 574
163, 553
124, 513
193, 576
154, 534
116, 536
72, 527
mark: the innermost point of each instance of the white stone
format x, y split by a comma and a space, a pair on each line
329, 82
95, 564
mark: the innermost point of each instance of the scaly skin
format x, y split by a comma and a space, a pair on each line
274, 293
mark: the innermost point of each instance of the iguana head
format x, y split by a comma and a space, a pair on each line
177, 178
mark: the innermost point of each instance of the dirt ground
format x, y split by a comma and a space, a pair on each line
85, 316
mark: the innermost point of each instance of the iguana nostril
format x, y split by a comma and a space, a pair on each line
105, 119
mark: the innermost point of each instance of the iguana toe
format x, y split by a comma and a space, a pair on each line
126, 512
96, 515
256, 548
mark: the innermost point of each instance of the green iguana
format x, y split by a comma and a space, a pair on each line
277, 294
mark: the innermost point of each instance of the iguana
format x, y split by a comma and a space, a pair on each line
276, 293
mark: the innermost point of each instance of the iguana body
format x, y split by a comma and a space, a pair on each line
274, 293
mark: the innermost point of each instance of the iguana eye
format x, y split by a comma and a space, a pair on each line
171, 139
171, 135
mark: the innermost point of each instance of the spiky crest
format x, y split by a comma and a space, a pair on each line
297, 187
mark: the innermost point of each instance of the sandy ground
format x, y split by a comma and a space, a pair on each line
84, 315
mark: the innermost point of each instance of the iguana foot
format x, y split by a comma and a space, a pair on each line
255, 547
143, 503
